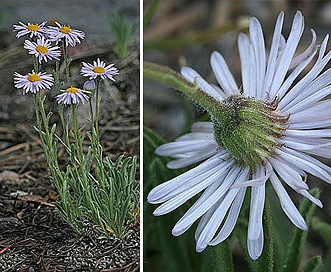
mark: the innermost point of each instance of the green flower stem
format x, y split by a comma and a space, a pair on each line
94, 114
97, 150
97, 109
77, 135
47, 142
64, 123
168, 76
91, 117
67, 63
81, 170
35, 64
48, 137
39, 124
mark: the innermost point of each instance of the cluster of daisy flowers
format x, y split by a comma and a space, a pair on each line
43, 46
56, 33
280, 117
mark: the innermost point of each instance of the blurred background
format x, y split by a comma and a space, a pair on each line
185, 32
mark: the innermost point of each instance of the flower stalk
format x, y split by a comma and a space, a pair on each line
170, 77
246, 127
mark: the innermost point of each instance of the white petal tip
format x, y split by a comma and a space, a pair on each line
175, 232
200, 249
152, 197
304, 228
173, 165
156, 213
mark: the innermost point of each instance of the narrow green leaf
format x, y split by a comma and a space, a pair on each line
162, 251
324, 229
299, 237
150, 12
313, 265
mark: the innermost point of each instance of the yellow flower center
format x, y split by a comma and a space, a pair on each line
65, 29
42, 49
72, 90
99, 70
33, 27
33, 78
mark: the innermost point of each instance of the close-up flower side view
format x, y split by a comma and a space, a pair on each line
229, 181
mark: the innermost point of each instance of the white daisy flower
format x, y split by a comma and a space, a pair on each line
37, 30
272, 126
72, 95
42, 49
99, 69
70, 35
33, 82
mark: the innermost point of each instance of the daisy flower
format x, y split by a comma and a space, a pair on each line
42, 49
263, 133
99, 69
33, 82
37, 30
70, 35
72, 95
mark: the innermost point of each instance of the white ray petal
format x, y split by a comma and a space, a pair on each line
286, 203
313, 98
291, 97
256, 212
222, 73
288, 52
288, 174
244, 53
194, 158
293, 76
231, 219
257, 39
206, 231
300, 58
275, 44
173, 148
311, 133
255, 246
207, 200
164, 191
194, 77
187, 193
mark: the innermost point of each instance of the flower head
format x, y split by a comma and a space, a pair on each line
42, 49
99, 69
264, 132
33, 82
70, 35
72, 95
37, 30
